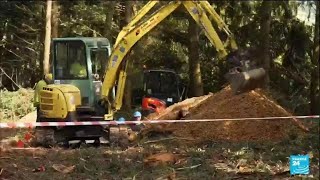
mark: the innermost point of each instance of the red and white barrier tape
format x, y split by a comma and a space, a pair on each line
90, 123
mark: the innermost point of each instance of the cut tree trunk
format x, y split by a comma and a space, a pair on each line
174, 112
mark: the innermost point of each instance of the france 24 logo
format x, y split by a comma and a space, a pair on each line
299, 164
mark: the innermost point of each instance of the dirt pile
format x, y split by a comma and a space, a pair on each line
226, 105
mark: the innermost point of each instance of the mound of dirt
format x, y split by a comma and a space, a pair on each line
224, 104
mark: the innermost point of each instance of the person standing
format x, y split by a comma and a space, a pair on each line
42, 83
137, 117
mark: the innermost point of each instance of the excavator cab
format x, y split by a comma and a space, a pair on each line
81, 62
161, 88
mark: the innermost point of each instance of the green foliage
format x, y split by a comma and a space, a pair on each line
165, 55
21, 27
84, 19
14, 105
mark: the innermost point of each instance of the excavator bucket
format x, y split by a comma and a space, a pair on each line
245, 81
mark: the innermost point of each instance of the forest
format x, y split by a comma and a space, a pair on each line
286, 45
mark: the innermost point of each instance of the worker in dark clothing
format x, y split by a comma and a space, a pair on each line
137, 117
135, 129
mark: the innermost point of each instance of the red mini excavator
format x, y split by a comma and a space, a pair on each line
161, 88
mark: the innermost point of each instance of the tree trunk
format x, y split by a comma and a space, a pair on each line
110, 6
265, 15
314, 85
55, 19
196, 86
128, 14
41, 39
46, 53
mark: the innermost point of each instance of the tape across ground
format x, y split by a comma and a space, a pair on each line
88, 123
220, 116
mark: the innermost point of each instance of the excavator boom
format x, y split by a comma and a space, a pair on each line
201, 11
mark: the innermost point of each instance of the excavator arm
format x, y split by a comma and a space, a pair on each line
201, 11
125, 41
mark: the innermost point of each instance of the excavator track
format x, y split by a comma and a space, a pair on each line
48, 137
44, 137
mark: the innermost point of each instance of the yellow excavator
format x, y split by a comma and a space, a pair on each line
89, 76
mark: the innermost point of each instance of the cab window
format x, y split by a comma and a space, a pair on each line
70, 60
99, 58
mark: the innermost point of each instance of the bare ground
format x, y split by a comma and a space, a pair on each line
205, 160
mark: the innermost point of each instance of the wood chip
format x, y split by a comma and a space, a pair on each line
225, 104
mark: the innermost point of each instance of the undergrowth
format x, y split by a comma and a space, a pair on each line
16, 104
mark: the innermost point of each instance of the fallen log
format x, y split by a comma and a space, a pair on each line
173, 112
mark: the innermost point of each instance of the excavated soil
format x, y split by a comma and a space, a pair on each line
226, 105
